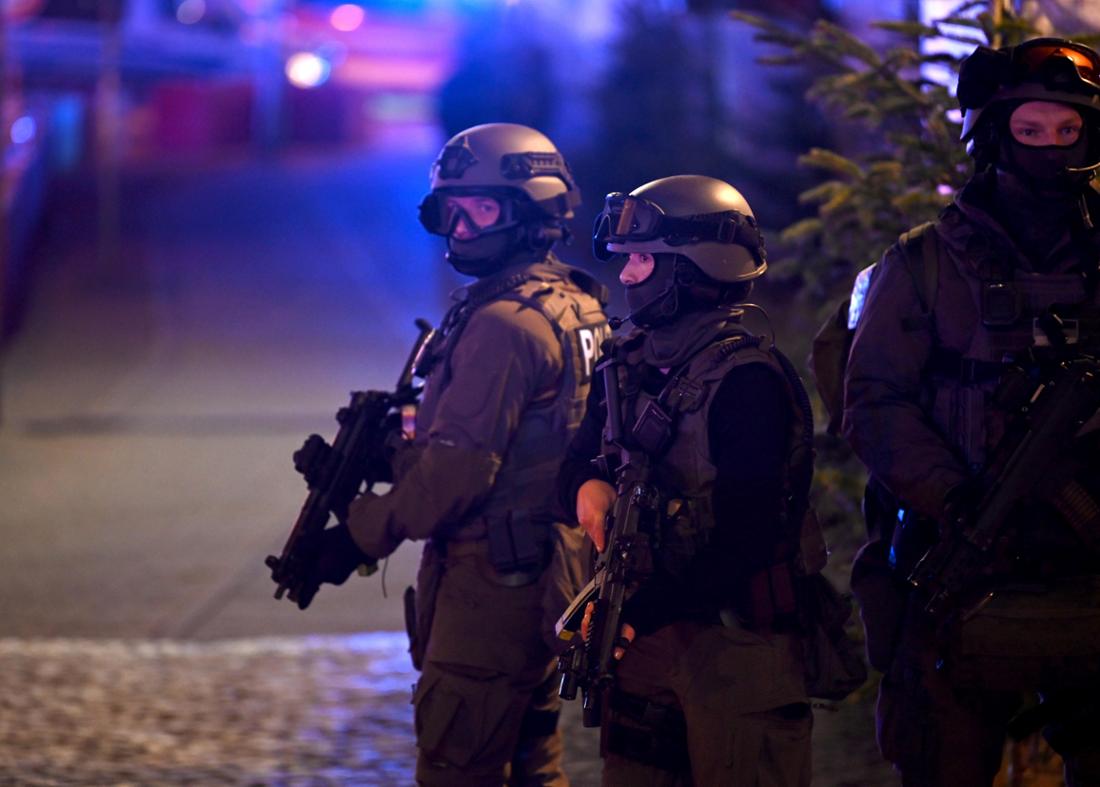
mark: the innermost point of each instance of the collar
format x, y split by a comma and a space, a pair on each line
971, 229
673, 345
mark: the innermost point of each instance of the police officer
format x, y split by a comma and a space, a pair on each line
948, 306
507, 378
711, 688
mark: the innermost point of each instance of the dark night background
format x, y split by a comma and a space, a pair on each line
209, 237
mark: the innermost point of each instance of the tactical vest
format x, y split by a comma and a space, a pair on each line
962, 379
686, 471
522, 504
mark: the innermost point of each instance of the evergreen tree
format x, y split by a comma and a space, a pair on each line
906, 160
901, 164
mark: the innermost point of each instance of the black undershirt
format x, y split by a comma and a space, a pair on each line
748, 432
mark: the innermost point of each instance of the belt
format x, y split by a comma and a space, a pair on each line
510, 579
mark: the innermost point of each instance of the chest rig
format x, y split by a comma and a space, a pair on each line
672, 427
1008, 301
516, 516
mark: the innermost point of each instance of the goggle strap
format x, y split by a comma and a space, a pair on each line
626, 217
729, 229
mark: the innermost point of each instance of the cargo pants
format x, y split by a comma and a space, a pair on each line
939, 735
743, 701
486, 705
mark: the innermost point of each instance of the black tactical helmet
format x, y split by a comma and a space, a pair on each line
1043, 69
521, 169
704, 241
703, 219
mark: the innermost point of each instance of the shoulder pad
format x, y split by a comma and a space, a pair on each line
911, 237
588, 284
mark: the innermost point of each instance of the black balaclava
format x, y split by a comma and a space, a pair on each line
1037, 200
490, 252
655, 300
1043, 168
680, 309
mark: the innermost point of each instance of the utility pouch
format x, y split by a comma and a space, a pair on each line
1028, 637
409, 601
1001, 304
834, 667
420, 604
653, 429
881, 597
514, 544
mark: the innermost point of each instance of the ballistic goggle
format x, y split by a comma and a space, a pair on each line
626, 219
1057, 57
439, 215
1059, 66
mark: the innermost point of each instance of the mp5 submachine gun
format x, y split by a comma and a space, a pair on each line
336, 473
632, 524
1049, 396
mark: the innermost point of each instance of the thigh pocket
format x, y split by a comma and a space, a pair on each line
464, 719
906, 727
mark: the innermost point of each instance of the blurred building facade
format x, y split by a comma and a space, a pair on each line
631, 89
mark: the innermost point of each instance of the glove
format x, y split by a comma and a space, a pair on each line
960, 505
337, 556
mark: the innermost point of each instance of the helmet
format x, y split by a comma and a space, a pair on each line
1043, 69
703, 219
521, 169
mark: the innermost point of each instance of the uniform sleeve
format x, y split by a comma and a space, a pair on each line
507, 357
883, 419
587, 442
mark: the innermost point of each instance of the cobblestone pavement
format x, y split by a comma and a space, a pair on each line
294, 711
269, 711
289, 712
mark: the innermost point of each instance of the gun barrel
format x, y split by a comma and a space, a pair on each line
610, 371
422, 339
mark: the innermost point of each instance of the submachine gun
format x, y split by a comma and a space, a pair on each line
632, 527
336, 473
1049, 396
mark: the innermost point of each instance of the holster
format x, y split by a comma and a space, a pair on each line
881, 597
420, 603
833, 666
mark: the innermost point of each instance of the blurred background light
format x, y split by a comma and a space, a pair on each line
347, 18
23, 130
307, 70
191, 11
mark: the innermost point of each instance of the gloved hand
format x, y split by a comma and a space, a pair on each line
337, 556
960, 505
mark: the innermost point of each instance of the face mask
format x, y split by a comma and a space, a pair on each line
1044, 166
482, 255
655, 301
